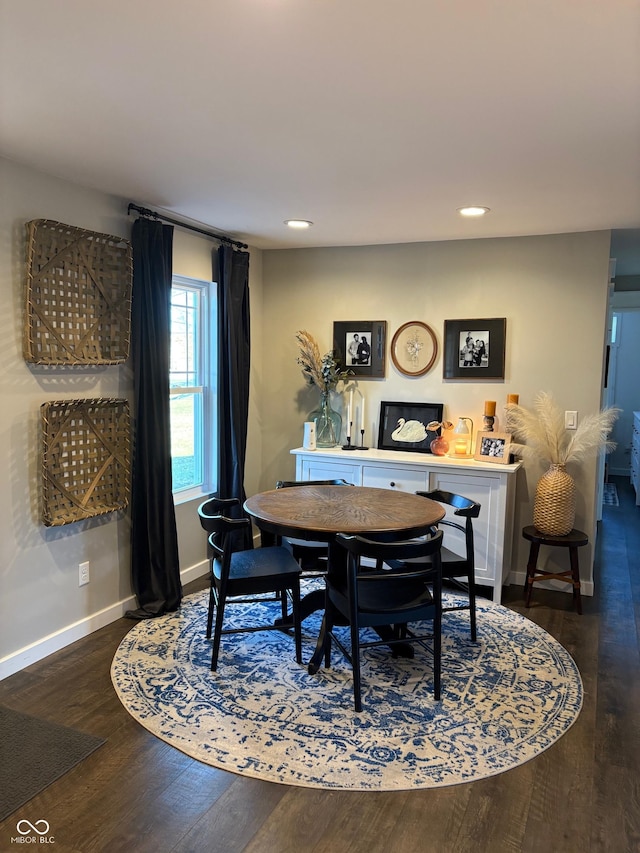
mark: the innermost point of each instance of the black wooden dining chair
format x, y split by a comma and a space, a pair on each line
374, 597
250, 574
311, 556
458, 570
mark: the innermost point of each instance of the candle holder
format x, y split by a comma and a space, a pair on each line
348, 445
362, 447
462, 439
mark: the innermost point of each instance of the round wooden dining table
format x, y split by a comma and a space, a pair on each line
318, 513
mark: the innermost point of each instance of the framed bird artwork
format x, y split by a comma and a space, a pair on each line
404, 426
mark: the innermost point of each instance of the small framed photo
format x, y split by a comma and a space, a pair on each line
493, 447
474, 349
403, 426
359, 346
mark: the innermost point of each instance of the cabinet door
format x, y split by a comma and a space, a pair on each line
487, 528
390, 477
310, 468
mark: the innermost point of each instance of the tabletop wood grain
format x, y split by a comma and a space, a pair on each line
339, 509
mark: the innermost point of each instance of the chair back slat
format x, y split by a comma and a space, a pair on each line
396, 550
285, 484
462, 506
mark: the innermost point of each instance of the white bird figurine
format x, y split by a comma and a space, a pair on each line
409, 431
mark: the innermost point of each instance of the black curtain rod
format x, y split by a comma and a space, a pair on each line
144, 211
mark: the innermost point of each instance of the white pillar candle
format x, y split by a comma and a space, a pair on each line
362, 418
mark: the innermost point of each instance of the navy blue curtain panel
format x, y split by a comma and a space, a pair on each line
155, 569
231, 271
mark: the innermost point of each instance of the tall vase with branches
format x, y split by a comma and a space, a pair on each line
323, 372
543, 436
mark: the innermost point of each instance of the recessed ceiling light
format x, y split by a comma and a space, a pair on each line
473, 211
298, 223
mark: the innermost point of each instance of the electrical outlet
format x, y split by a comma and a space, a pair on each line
571, 420
83, 574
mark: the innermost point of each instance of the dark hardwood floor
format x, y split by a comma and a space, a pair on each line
138, 794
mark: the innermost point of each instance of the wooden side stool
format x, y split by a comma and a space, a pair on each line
573, 540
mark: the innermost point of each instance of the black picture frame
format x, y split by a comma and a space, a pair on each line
461, 363
391, 415
364, 365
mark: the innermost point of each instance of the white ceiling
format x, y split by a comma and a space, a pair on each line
374, 119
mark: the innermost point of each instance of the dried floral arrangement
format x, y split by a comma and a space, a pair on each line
323, 371
547, 438
434, 425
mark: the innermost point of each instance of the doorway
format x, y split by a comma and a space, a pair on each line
621, 387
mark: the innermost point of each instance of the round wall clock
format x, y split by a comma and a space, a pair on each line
414, 348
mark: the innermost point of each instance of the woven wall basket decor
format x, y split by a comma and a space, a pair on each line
78, 295
85, 459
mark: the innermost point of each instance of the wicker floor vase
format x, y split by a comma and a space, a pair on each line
554, 510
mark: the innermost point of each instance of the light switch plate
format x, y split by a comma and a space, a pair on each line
571, 420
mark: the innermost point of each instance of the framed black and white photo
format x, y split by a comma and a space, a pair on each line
474, 349
493, 447
403, 426
359, 346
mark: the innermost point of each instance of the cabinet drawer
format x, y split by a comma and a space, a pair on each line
329, 470
401, 479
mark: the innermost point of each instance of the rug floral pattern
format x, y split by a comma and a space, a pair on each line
504, 700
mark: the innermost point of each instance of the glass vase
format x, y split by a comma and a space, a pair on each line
439, 446
328, 423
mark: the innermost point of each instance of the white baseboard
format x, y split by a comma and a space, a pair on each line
69, 634
620, 472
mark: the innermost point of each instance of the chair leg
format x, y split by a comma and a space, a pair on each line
472, 605
297, 627
399, 633
212, 601
355, 661
327, 626
283, 604
437, 639
217, 634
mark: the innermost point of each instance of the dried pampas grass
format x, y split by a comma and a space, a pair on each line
547, 438
323, 371
310, 359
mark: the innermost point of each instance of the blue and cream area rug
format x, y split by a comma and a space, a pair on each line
504, 700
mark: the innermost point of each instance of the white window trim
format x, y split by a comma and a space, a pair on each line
208, 359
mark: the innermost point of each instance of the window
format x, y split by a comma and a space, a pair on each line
192, 387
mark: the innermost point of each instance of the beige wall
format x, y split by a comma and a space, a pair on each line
39, 566
551, 289
41, 606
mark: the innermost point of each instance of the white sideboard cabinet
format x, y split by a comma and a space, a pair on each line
635, 456
490, 484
